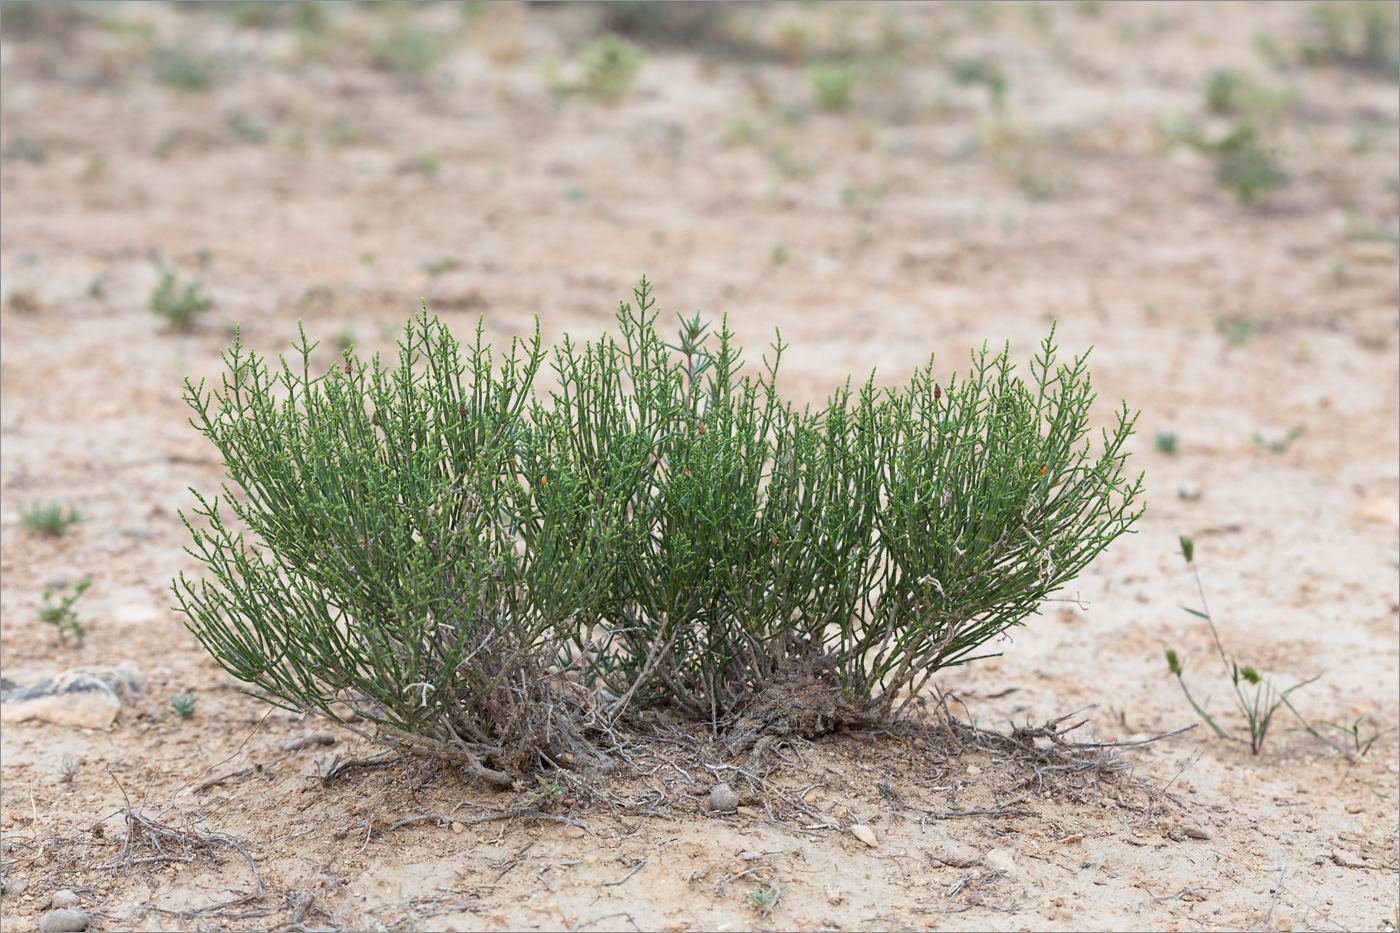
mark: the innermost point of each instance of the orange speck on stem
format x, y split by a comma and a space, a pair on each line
543, 481
1042, 471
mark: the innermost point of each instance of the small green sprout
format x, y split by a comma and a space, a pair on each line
1166, 442
765, 899
62, 617
184, 703
68, 769
1258, 705
549, 792
50, 519
180, 308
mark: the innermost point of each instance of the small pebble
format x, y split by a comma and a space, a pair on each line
723, 798
64, 921
866, 835
62, 900
457, 828
1195, 832
14, 887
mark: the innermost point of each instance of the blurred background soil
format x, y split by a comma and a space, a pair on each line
1206, 194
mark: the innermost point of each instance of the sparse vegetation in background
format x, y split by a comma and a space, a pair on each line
1354, 34
610, 64
1230, 92
607, 67
28, 149
68, 769
1166, 442
1280, 444
1236, 330
179, 307
184, 704
683, 22
186, 68
833, 83
62, 616
50, 519
1245, 166
247, 130
428, 548
1256, 698
411, 52
977, 71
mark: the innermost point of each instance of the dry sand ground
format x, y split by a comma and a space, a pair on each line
322, 178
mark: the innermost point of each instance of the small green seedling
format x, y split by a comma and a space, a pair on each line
184, 703
1255, 697
68, 769
62, 616
549, 792
1166, 442
833, 83
764, 899
1355, 747
180, 308
50, 519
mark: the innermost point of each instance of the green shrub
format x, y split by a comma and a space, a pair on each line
49, 519
62, 616
833, 83
610, 64
478, 570
181, 308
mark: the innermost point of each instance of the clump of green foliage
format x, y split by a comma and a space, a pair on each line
1354, 34
610, 63
185, 68
62, 615
977, 71
50, 519
411, 52
179, 307
1167, 442
833, 83
1256, 698
1245, 166
481, 571
184, 704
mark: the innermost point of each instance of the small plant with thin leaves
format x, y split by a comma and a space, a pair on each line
51, 519
1167, 443
473, 566
764, 899
1256, 698
184, 704
179, 307
547, 793
68, 769
62, 616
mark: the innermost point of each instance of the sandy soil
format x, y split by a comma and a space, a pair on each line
323, 178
